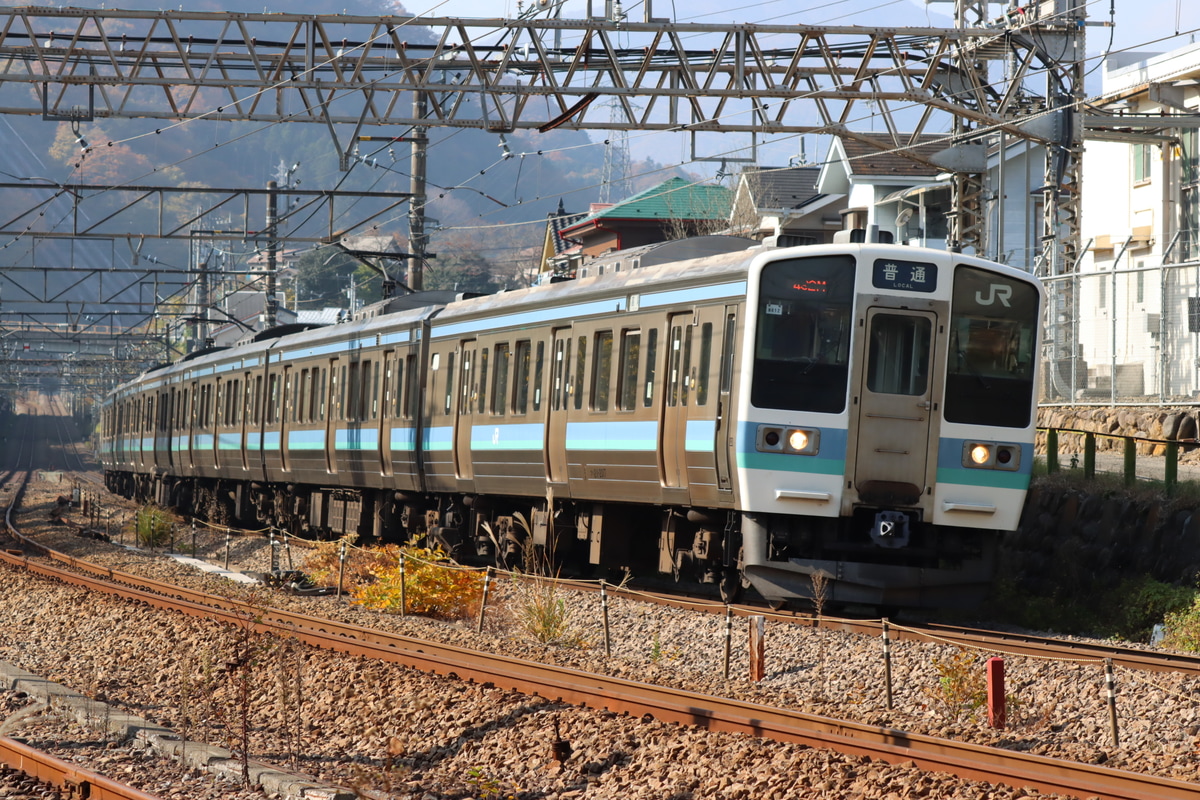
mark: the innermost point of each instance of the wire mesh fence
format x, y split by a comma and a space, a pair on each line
1129, 335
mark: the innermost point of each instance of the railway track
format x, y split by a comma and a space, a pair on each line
706, 711
619, 695
69, 779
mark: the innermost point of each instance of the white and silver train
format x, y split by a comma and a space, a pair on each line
748, 416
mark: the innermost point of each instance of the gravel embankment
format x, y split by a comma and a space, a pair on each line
407, 735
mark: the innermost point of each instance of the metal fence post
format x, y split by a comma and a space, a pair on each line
1130, 461
1052, 450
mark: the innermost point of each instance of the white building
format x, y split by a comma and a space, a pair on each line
1133, 310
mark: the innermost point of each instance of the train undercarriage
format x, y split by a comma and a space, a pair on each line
929, 566
565, 537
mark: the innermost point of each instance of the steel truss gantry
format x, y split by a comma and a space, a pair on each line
503, 75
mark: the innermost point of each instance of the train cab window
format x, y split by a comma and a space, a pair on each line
500, 379
651, 367
706, 337
521, 378
627, 377
538, 364
580, 367
602, 371
802, 339
993, 333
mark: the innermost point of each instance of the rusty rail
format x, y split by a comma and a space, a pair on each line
667, 704
71, 780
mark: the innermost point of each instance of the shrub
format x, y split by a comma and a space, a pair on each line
961, 688
433, 586
1183, 628
153, 526
539, 608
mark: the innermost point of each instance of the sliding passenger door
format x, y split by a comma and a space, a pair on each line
560, 394
470, 384
672, 444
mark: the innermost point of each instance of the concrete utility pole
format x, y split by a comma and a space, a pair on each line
416, 203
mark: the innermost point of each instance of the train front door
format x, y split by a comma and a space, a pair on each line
894, 406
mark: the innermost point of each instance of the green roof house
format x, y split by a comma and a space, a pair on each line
675, 209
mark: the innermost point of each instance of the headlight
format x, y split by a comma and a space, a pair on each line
991, 455
778, 439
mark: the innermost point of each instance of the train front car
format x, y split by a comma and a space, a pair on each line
888, 419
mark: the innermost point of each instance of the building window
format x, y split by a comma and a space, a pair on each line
1189, 222
1141, 163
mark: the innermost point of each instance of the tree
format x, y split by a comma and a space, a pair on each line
322, 278
460, 269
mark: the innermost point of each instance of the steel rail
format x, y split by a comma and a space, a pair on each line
75, 782
568, 685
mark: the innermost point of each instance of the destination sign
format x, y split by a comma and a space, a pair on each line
909, 276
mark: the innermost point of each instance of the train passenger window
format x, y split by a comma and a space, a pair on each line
483, 378
411, 388
651, 367
993, 334
339, 394
396, 381
272, 399
521, 382
675, 371
898, 358
449, 380
802, 339
302, 397
500, 379
689, 378
321, 397
293, 394
627, 379
370, 390
562, 373
727, 353
350, 410
537, 376
602, 371
706, 331
580, 366
464, 403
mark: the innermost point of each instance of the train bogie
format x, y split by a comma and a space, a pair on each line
862, 412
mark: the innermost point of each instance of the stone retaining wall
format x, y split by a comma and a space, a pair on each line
1172, 424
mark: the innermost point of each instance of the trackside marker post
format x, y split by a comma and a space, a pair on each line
995, 693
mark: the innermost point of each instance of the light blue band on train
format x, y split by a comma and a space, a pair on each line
616, 436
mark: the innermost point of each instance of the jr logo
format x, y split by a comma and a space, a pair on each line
996, 291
